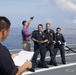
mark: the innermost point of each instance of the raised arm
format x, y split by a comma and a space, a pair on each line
31, 18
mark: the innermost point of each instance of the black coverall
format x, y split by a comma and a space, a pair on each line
50, 46
60, 46
39, 48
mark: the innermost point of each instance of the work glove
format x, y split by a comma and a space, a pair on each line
32, 17
54, 42
39, 42
59, 42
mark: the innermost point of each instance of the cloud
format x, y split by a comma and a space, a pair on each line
49, 20
66, 4
71, 21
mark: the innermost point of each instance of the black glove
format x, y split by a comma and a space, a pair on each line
32, 17
39, 43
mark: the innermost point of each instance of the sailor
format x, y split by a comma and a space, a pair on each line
7, 65
59, 45
39, 39
51, 41
26, 35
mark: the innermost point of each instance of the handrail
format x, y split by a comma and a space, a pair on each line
33, 48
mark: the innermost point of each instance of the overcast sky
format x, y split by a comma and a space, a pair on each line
60, 13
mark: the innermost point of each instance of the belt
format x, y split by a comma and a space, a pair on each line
26, 40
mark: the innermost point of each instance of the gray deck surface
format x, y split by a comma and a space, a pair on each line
67, 69
61, 69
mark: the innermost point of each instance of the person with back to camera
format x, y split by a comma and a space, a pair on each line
26, 35
7, 66
59, 45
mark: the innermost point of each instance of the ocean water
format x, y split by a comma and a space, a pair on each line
14, 40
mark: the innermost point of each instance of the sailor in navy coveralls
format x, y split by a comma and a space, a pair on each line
40, 40
59, 45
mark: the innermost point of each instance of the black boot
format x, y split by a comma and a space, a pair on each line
31, 69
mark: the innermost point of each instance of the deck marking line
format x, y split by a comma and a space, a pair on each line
50, 68
69, 70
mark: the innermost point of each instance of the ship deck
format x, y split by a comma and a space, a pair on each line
62, 69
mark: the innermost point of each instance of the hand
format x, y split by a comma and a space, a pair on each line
54, 42
32, 17
48, 42
39, 42
31, 33
14, 55
59, 42
29, 64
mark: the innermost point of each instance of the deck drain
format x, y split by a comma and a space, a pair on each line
69, 70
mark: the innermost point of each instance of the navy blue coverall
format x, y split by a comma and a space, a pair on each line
50, 46
60, 47
39, 48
